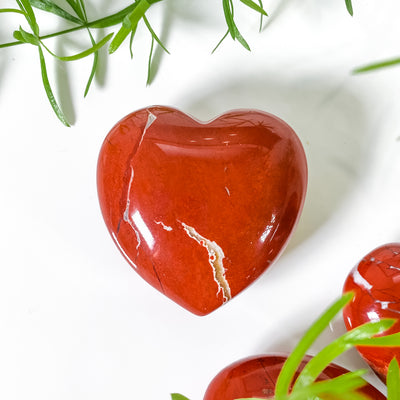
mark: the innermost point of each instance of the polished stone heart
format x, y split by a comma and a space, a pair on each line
375, 282
200, 210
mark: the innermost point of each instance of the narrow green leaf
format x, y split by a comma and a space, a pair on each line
113, 19
48, 90
255, 7
30, 15
149, 62
26, 37
349, 7
334, 349
126, 23
219, 43
177, 396
387, 341
228, 12
292, 363
240, 39
335, 388
261, 16
134, 18
233, 29
133, 32
50, 7
11, 10
82, 7
378, 65
83, 54
77, 9
393, 381
345, 383
153, 34
94, 65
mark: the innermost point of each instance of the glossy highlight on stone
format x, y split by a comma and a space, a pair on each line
256, 377
375, 282
201, 210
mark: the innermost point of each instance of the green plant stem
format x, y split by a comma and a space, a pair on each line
105, 22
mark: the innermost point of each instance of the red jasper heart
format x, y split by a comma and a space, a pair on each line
256, 377
200, 210
375, 282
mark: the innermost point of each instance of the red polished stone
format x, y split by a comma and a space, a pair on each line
375, 282
256, 377
200, 210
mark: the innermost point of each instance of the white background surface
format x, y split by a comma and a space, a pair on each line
76, 322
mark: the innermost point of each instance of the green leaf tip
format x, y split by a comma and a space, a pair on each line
177, 396
378, 65
349, 7
393, 380
49, 92
292, 363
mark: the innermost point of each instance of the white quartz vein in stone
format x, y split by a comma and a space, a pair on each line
166, 227
150, 120
215, 259
126, 216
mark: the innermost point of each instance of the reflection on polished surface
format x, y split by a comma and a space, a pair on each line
375, 282
201, 209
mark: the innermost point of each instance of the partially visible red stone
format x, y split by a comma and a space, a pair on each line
256, 377
375, 282
200, 210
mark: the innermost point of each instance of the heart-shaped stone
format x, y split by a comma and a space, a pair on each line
200, 210
375, 282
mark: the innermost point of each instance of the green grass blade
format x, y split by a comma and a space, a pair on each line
84, 53
345, 383
334, 349
232, 28
228, 12
26, 37
292, 363
113, 19
25, 6
261, 16
149, 62
388, 341
77, 9
240, 39
82, 7
219, 43
94, 65
393, 381
177, 396
153, 34
255, 7
133, 32
134, 17
11, 10
49, 6
338, 388
349, 7
48, 90
383, 64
